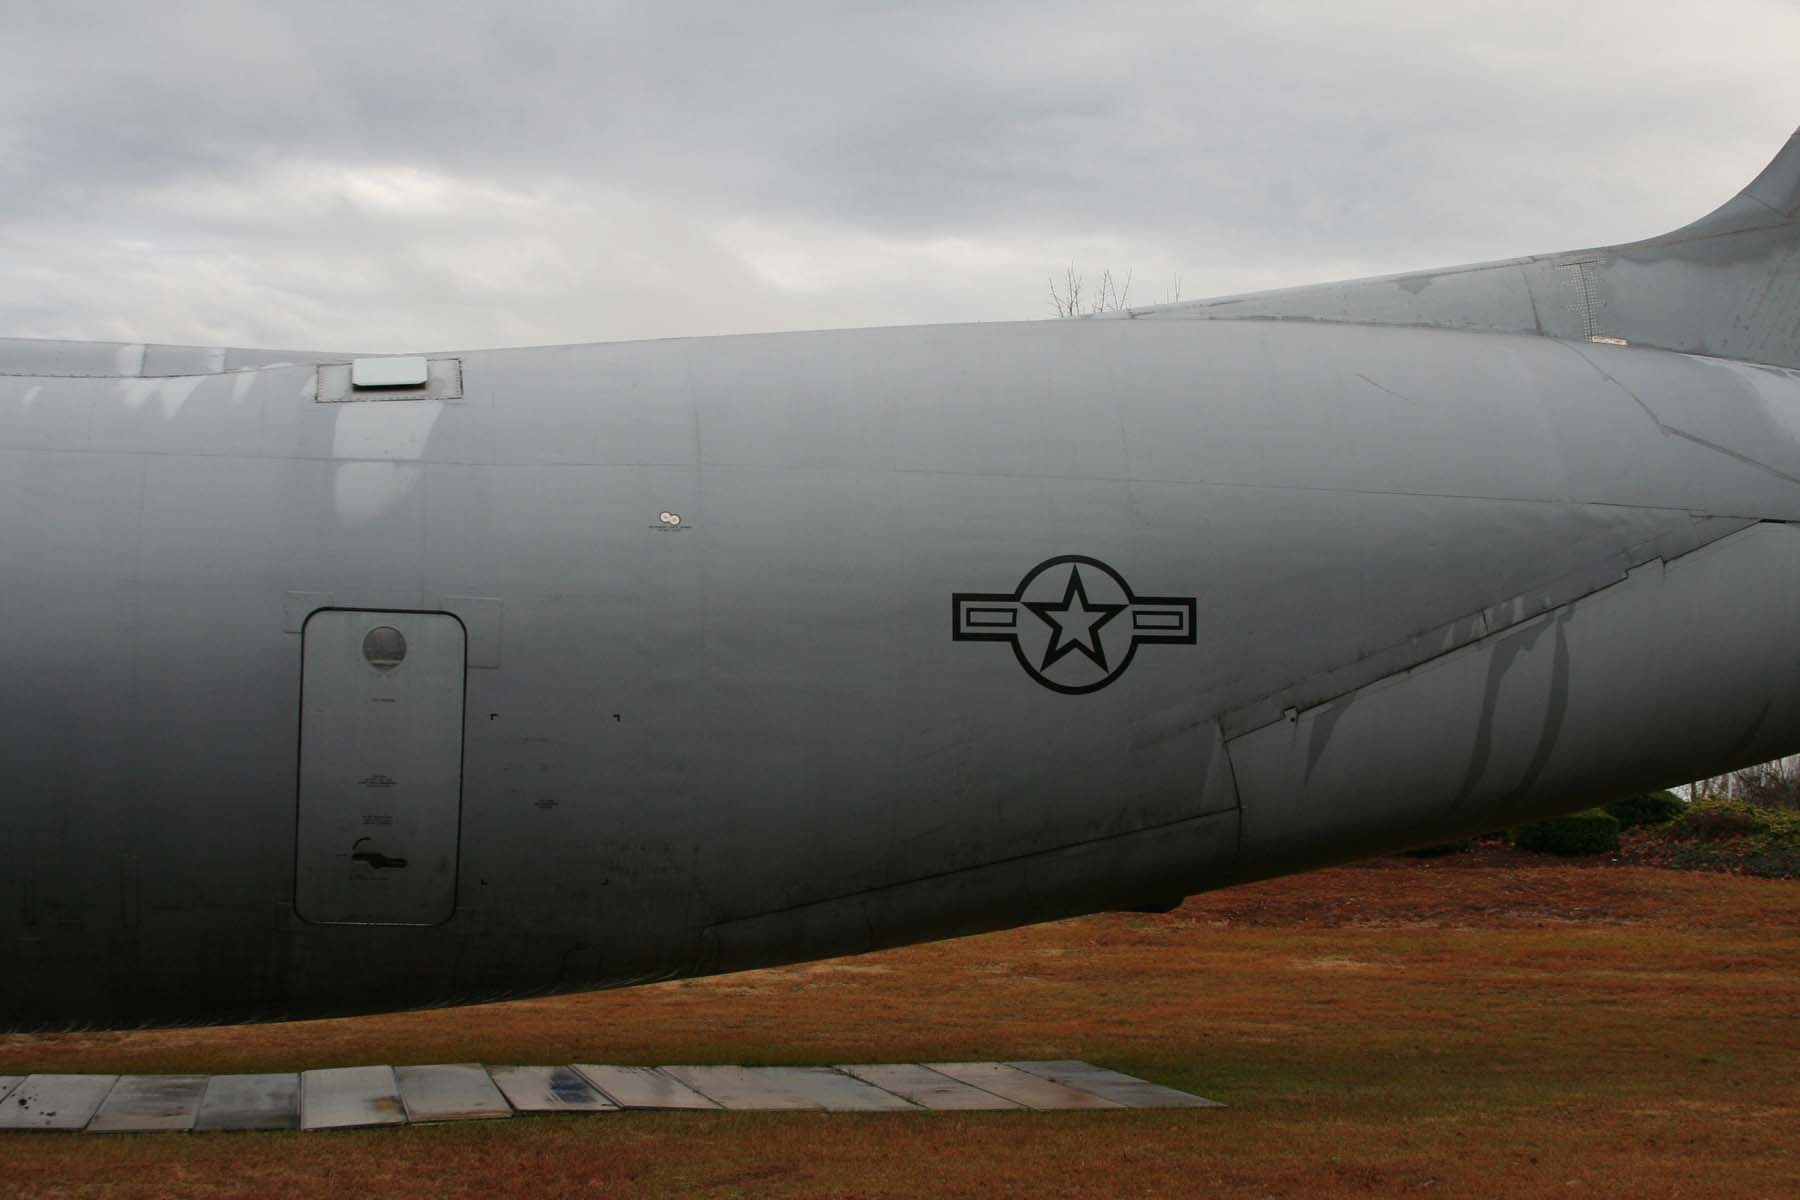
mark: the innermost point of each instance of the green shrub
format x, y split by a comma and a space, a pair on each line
1720, 834
1651, 808
1716, 818
1593, 831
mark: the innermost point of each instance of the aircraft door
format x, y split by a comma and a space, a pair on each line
381, 729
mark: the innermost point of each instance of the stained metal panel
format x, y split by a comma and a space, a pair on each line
453, 1092
1020, 1087
1116, 1086
251, 1102
643, 1087
60, 1103
150, 1104
549, 1090
380, 768
350, 1097
832, 1089
742, 1087
927, 1088
8, 1083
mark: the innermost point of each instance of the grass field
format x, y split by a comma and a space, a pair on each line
1491, 1027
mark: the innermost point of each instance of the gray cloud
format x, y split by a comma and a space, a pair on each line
413, 175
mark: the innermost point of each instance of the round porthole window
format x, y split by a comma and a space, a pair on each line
384, 647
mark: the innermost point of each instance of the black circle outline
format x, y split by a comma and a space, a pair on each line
1019, 650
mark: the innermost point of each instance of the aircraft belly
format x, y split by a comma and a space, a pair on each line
1679, 670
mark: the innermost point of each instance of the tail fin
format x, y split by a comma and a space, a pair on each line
1726, 286
1771, 199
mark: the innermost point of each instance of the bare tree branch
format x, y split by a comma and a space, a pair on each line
1066, 297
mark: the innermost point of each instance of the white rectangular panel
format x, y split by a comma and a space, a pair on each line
741, 1087
251, 1102
150, 1104
380, 768
1116, 1086
833, 1090
1010, 1083
402, 371
643, 1087
454, 1092
349, 1098
549, 1089
63, 1103
927, 1088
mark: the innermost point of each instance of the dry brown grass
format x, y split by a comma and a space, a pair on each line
1404, 1027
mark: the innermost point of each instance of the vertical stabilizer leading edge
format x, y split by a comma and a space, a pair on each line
1726, 286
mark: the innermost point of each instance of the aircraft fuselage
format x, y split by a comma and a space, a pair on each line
776, 647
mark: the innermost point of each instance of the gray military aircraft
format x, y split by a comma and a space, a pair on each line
337, 684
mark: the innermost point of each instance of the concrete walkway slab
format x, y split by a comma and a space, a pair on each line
833, 1090
549, 1090
1021, 1087
354, 1097
643, 1087
150, 1104
350, 1098
927, 1088
1116, 1086
451, 1092
55, 1103
748, 1088
244, 1102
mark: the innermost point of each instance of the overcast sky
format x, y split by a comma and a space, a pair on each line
385, 177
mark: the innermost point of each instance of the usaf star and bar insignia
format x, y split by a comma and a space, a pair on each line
1073, 622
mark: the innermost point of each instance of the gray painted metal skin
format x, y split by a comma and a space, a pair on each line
1448, 568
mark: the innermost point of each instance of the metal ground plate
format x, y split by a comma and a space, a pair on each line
361, 1097
150, 1104
245, 1102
